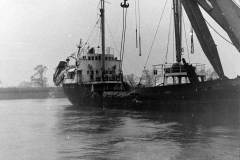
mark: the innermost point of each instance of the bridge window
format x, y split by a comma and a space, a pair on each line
71, 75
155, 72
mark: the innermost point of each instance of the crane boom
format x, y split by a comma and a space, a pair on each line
203, 34
226, 13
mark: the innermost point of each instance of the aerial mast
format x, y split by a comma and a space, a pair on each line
177, 8
102, 16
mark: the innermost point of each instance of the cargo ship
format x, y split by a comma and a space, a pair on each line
182, 83
95, 70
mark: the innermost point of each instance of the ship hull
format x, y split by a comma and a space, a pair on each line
218, 95
90, 94
81, 95
205, 96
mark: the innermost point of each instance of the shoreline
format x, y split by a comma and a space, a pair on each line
31, 93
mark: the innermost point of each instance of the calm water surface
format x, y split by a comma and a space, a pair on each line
54, 130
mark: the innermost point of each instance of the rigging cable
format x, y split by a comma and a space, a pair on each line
218, 33
154, 38
169, 34
90, 35
112, 37
155, 35
236, 3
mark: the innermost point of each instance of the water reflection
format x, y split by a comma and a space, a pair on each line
53, 129
94, 133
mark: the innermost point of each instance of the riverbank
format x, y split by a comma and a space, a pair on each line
31, 93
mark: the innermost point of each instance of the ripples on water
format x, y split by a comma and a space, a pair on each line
53, 129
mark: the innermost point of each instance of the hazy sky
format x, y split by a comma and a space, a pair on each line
36, 32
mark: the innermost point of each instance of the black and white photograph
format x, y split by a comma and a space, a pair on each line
120, 80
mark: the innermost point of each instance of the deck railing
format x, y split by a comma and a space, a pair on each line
169, 68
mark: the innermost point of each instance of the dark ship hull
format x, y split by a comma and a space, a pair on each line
217, 95
91, 94
81, 95
206, 96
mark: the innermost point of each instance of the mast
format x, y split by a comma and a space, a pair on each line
102, 16
177, 8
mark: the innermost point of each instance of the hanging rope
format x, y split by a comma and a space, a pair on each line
139, 30
120, 54
124, 5
136, 21
174, 46
185, 34
99, 38
192, 41
124, 34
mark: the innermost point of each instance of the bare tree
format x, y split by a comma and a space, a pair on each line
38, 79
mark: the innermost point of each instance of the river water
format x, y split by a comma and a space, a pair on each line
52, 129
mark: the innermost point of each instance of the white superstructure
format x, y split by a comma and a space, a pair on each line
88, 68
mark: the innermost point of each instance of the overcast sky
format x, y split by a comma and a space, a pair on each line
36, 32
